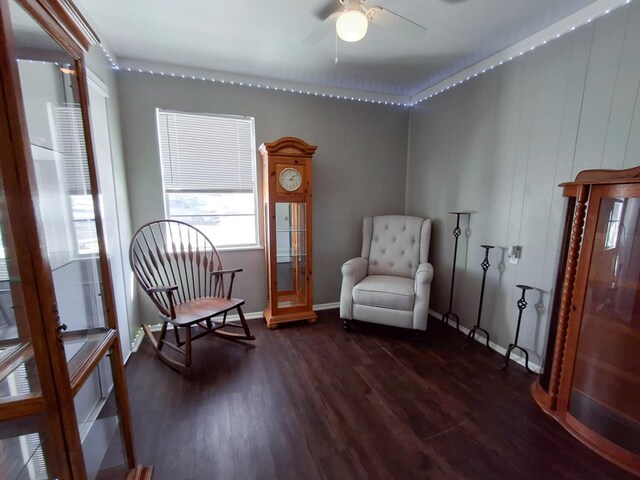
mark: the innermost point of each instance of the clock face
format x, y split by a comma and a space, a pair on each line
290, 179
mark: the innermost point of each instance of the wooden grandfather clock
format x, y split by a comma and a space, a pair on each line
286, 166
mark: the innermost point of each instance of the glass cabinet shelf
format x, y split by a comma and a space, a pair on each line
84, 349
68, 261
18, 373
286, 255
22, 456
32, 458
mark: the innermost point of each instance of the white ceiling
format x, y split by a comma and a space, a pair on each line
266, 38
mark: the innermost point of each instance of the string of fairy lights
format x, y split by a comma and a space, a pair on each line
500, 58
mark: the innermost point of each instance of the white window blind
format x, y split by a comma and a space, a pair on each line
209, 174
208, 153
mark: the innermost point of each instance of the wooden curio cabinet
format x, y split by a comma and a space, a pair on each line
591, 378
60, 355
287, 191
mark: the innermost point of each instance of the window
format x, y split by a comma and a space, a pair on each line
209, 174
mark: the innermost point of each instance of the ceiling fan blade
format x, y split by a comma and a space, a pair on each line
322, 30
388, 18
325, 11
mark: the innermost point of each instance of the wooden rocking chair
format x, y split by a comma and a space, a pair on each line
180, 270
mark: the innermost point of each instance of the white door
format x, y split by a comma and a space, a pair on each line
98, 97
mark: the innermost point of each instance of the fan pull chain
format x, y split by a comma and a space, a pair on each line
336, 60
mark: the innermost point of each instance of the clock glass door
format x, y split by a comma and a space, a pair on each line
291, 240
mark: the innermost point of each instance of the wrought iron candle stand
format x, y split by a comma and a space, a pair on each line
522, 304
456, 233
485, 266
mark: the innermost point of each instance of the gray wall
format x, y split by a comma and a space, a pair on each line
498, 145
358, 170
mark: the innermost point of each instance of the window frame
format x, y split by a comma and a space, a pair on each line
257, 245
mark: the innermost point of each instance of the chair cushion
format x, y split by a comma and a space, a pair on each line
385, 291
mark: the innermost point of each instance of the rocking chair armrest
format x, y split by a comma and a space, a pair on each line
219, 273
228, 270
163, 289
168, 289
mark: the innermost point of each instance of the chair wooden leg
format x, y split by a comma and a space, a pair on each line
236, 336
187, 347
245, 326
157, 345
177, 335
152, 339
163, 333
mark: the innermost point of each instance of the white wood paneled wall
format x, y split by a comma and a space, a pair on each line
500, 144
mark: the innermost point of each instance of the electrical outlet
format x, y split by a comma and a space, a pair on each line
514, 254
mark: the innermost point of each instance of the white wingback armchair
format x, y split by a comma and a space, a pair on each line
390, 282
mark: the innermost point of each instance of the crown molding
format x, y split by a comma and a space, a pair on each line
248, 81
568, 24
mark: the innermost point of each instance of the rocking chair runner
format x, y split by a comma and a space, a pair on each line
181, 271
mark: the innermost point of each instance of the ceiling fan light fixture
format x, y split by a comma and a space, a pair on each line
352, 25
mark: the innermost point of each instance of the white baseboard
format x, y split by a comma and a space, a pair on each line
481, 339
249, 316
135, 345
326, 306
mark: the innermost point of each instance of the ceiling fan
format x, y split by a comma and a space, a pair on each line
352, 19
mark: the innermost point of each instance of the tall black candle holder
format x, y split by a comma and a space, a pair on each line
522, 304
456, 233
485, 266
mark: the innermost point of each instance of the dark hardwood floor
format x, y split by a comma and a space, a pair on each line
313, 402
